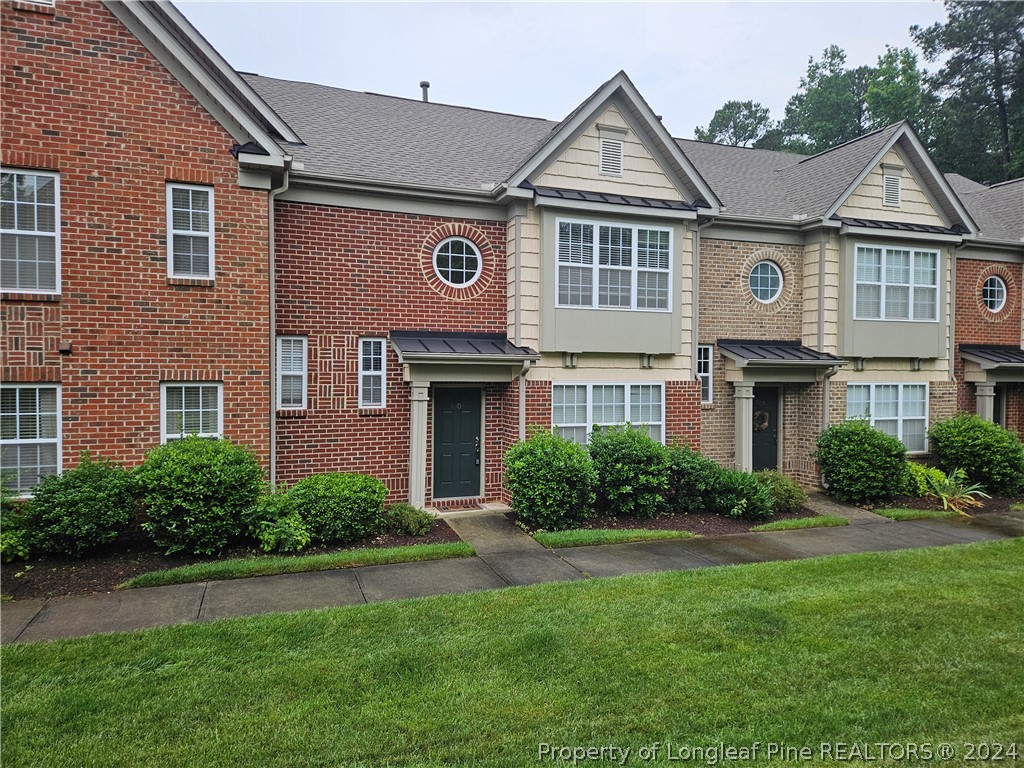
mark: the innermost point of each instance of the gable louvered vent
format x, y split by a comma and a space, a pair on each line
890, 190
611, 157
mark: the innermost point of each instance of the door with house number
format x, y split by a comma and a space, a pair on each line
456, 442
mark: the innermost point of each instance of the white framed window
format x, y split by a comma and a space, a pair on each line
29, 434
372, 373
993, 293
29, 231
577, 408
190, 408
704, 372
900, 410
190, 219
613, 266
291, 372
896, 284
457, 262
765, 281
891, 190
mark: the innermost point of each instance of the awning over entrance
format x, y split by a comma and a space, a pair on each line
994, 356
987, 365
431, 356
761, 360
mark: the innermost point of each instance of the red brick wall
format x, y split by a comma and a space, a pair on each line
345, 273
83, 97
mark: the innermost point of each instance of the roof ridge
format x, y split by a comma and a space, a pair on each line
852, 141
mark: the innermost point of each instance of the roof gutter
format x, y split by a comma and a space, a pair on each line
272, 289
309, 178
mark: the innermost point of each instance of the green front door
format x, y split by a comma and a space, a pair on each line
766, 428
456, 443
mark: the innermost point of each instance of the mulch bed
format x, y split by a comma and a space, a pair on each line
133, 554
994, 506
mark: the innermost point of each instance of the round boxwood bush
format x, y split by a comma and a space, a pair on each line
198, 493
861, 464
787, 496
80, 509
340, 506
738, 494
632, 471
691, 479
987, 453
552, 481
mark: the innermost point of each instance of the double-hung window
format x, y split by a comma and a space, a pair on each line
190, 231
704, 373
29, 232
372, 365
896, 284
291, 372
900, 410
192, 408
613, 266
29, 436
577, 408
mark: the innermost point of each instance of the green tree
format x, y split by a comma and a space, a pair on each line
983, 43
738, 123
896, 91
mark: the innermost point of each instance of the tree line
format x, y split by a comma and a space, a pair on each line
969, 112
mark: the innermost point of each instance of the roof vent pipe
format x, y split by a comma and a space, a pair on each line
425, 85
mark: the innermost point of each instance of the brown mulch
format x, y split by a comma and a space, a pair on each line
994, 506
133, 554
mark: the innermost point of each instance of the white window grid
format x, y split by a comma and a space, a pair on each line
292, 372
898, 409
612, 156
993, 293
191, 408
610, 266
190, 231
30, 231
705, 373
896, 284
765, 281
577, 408
372, 373
891, 190
30, 434
457, 262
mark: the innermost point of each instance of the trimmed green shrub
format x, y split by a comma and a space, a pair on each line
277, 524
198, 493
691, 478
403, 519
14, 543
987, 453
739, 494
787, 496
80, 509
552, 481
861, 464
920, 479
632, 471
340, 506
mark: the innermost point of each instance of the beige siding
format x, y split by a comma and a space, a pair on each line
865, 202
815, 305
577, 167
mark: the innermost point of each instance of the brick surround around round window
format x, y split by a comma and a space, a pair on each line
788, 281
475, 236
1012, 292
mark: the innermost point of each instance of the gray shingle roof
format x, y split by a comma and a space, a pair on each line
999, 210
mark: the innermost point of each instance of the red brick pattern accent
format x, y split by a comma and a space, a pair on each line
475, 236
82, 96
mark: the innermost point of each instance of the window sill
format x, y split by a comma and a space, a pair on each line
15, 296
373, 411
48, 10
707, 406
292, 413
198, 282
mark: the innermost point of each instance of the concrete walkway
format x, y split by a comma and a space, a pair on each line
506, 557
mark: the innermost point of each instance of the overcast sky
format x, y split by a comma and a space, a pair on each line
543, 59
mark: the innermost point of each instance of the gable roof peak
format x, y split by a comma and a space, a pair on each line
888, 130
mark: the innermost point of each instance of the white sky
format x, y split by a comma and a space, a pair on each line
543, 59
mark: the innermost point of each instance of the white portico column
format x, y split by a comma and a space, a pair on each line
985, 394
418, 444
743, 393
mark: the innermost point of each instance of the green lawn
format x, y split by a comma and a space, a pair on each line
821, 521
1017, 507
269, 565
913, 646
583, 537
915, 514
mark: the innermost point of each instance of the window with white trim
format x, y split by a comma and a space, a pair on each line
190, 408
29, 231
993, 293
577, 408
900, 410
765, 281
891, 190
291, 372
29, 435
613, 266
372, 373
457, 262
190, 231
704, 372
896, 284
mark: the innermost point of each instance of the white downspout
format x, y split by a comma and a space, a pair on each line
272, 282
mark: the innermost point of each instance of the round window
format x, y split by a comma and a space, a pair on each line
457, 262
766, 281
993, 293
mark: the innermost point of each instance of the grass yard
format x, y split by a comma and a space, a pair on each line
583, 537
913, 646
269, 565
899, 513
822, 521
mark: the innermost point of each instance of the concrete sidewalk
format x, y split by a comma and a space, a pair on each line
505, 557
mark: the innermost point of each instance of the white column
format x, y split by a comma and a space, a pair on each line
743, 395
418, 444
985, 394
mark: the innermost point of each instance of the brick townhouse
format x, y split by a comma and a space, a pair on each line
354, 282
